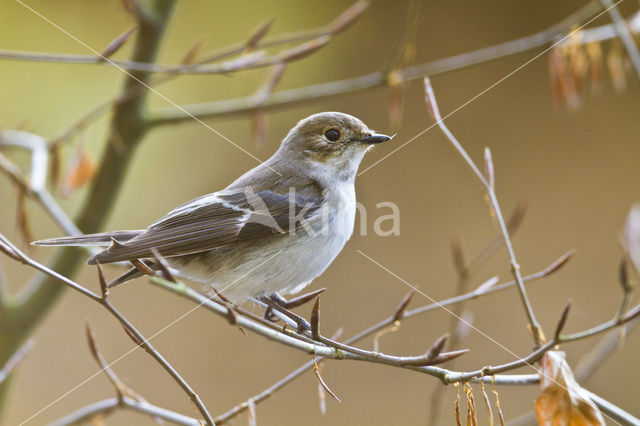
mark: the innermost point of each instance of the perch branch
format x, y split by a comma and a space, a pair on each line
324, 349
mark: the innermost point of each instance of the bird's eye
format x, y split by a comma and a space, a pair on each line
332, 135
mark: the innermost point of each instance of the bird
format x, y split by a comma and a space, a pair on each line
268, 234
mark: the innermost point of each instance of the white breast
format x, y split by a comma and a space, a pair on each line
291, 264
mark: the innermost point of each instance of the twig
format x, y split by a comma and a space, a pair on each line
186, 292
624, 33
288, 98
35, 185
15, 359
126, 130
465, 270
245, 61
593, 359
89, 412
12, 251
536, 330
340, 24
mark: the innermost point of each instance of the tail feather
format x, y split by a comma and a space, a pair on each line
102, 239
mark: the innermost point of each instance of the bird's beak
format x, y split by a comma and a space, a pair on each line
375, 138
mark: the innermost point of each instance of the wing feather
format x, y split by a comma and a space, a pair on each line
214, 221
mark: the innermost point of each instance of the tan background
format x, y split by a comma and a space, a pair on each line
578, 171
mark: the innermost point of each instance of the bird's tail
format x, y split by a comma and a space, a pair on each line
102, 239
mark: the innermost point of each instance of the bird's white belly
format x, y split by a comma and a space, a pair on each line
288, 265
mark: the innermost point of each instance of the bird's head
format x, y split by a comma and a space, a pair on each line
331, 140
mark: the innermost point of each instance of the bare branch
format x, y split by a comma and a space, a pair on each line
536, 330
555, 266
89, 412
308, 94
131, 330
15, 359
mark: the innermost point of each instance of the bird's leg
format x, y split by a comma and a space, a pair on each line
289, 304
274, 302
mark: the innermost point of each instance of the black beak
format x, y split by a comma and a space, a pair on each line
375, 138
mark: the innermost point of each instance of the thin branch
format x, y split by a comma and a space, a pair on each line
308, 94
191, 294
340, 24
126, 130
85, 414
593, 359
12, 251
15, 359
613, 411
247, 60
536, 330
465, 270
34, 186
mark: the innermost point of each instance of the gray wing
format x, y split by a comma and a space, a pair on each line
213, 221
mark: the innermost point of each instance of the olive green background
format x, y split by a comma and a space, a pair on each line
579, 172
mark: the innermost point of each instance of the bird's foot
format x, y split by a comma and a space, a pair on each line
275, 302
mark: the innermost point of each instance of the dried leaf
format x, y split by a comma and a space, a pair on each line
563, 85
487, 403
458, 417
472, 418
80, 172
594, 52
562, 400
631, 236
578, 64
615, 64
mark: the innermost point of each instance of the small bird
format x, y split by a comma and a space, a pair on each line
269, 233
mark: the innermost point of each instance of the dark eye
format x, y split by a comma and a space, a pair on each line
332, 134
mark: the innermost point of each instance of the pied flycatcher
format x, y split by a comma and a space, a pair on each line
273, 230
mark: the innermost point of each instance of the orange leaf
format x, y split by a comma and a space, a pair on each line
80, 172
563, 402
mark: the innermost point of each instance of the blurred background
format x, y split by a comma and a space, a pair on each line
578, 171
